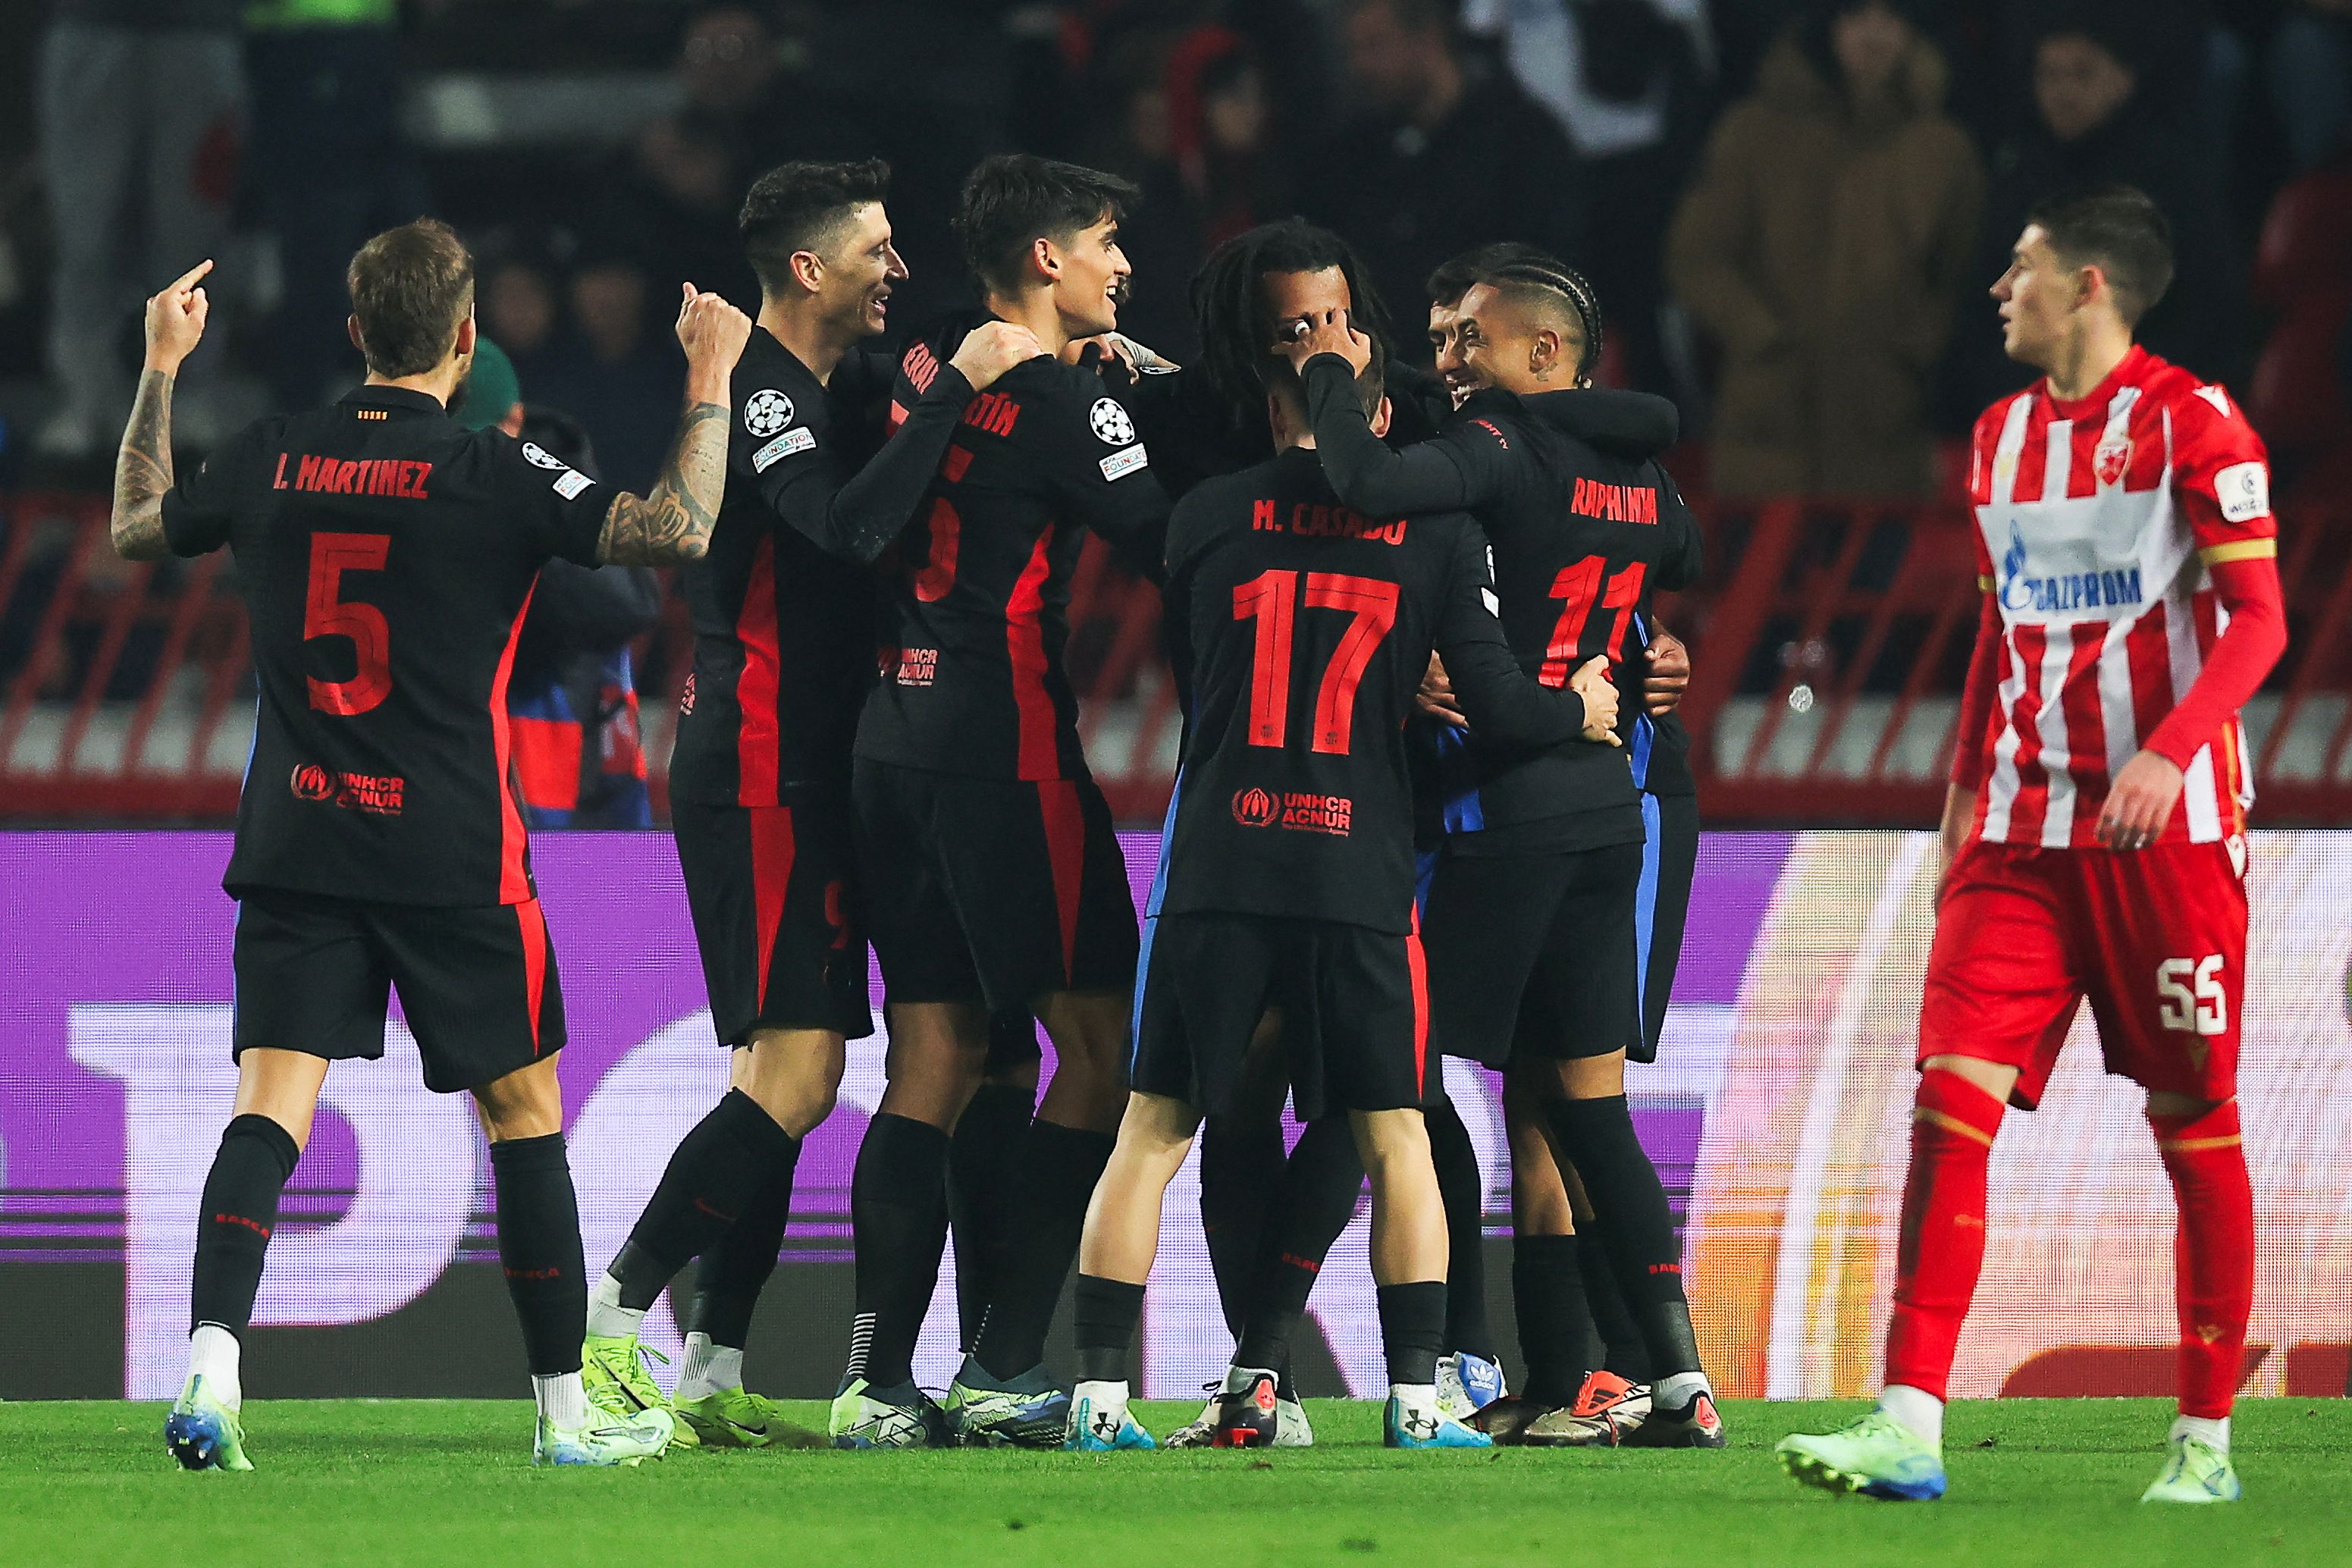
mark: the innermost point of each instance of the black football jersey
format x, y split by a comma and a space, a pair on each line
975, 613
386, 557
783, 605
1303, 628
1584, 525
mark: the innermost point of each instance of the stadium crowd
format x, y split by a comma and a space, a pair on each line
1707, 162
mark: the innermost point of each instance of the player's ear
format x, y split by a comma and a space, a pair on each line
2091, 284
469, 333
1047, 258
808, 269
1277, 419
352, 330
1381, 418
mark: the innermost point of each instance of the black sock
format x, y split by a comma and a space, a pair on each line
1635, 1224
983, 1168
1555, 1335
1412, 1329
898, 1214
539, 1243
728, 1283
1315, 1201
1465, 1191
1060, 1167
1622, 1350
1241, 1170
240, 1210
712, 1177
1104, 1313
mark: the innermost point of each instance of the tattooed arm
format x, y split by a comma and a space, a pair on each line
672, 521
143, 468
142, 472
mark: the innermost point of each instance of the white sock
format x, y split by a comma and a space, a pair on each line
1920, 1412
1238, 1378
1109, 1398
562, 1403
1678, 1389
606, 1317
710, 1368
213, 1355
2213, 1429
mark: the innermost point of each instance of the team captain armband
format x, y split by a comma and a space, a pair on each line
2238, 549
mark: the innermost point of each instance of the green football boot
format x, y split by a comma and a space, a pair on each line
1875, 1456
737, 1418
203, 1434
1031, 1411
612, 1370
2194, 1471
901, 1416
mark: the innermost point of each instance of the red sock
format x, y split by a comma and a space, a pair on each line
2213, 1251
1952, 1127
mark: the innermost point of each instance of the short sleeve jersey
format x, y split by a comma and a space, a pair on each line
974, 616
783, 631
1307, 627
2096, 520
386, 557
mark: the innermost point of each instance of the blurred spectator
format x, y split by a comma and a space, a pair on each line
138, 123
2097, 122
519, 307
491, 395
1626, 80
328, 162
572, 693
617, 370
2309, 72
1823, 247
1449, 154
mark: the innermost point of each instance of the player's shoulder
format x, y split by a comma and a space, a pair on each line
1220, 504
1489, 414
780, 406
2203, 413
1986, 433
509, 463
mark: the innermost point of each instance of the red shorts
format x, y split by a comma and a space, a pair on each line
2155, 937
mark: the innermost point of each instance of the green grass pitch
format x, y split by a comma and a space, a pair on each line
348, 1483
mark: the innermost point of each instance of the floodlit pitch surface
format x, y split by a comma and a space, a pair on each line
348, 1483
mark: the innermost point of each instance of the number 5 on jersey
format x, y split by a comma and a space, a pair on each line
326, 614
1271, 599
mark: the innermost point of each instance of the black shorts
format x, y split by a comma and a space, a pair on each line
1011, 1042
775, 916
478, 985
1669, 862
994, 890
1354, 1013
1534, 954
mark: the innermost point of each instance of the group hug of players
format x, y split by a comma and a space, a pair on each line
1412, 817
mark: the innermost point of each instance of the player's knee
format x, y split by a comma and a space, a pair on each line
2166, 1102
1996, 1078
794, 1075
524, 1104
1391, 1143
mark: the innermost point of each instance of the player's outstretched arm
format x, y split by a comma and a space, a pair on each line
1503, 705
143, 467
1434, 476
672, 521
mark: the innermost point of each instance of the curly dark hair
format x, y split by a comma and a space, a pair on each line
1230, 312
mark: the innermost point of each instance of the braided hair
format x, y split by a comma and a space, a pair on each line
1231, 314
1549, 275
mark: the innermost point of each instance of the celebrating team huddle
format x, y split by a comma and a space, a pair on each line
1434, 799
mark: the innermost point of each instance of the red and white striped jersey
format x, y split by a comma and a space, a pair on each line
2096, 520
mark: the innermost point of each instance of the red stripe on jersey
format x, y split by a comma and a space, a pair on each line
897, 416
758, 688
955, 465
2087, 727
1025, 643
2081, 473
2034, 457
514, 869
1065, 857
531, 921
772, 849
1419, 969
2025, 814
